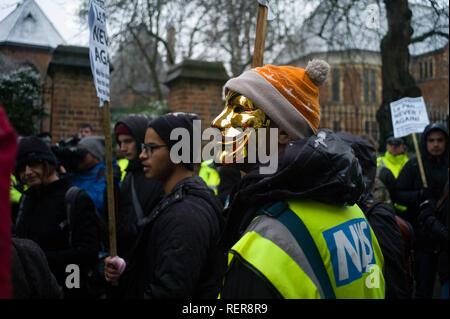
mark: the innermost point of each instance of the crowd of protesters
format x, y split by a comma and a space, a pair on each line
319, 227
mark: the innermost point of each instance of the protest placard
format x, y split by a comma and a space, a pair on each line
98, 49
99, 58
409, 115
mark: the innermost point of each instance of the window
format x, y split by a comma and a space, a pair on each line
367, 127
425, 76
336, 126
369, 86
431, 69
373, 87
374, 130
335, 85
420, 71
366, 85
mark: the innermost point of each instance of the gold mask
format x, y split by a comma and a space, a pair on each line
239, 112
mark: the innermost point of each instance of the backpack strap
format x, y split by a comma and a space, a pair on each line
136, 204
20, 211
69, 201
282, 212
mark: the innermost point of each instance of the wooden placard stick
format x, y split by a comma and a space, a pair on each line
109, 181
260, 38
419, 159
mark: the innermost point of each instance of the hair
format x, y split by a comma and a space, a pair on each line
48, 170
85, 125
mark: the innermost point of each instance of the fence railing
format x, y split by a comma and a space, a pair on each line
363, 120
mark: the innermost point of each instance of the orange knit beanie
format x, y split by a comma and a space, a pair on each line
288, 95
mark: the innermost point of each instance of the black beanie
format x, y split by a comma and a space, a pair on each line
32, 149
164, 124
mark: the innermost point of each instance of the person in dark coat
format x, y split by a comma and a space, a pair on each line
42, 215
433, 219
410, 191
30, 273
138, 195
176, 252
382, 218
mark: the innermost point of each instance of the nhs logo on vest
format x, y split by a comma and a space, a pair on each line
351, 250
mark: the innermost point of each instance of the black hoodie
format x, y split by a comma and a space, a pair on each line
321, 167
149, 192
409, 186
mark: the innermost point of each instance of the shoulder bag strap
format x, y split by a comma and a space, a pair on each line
282, 212
136, 204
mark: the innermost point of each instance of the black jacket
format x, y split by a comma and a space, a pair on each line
307, 170
176, 252
30, 275
44, 213
409, 187
149, 192
381, 218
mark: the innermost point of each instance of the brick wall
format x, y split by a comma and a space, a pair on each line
196, 87
431, 74
37, 57
73, 97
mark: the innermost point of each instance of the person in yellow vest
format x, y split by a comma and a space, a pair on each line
210, 175
388, 169
295, 233
15, 191
122, 162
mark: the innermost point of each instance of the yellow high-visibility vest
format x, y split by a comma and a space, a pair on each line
209, 175
313, 250
395, 165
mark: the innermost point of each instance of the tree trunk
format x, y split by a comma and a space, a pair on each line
397, 82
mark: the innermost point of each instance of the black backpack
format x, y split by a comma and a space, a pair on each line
96, 283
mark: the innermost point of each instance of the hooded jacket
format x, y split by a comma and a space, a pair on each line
176, 251
149, 192
409, 186
330, 174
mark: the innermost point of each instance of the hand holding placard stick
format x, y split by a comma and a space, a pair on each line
409, 116
99, 58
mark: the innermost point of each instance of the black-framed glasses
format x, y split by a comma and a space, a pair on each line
150, 147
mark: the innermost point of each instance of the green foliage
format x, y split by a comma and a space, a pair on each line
20, 93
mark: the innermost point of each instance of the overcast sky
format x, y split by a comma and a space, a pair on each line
62, 13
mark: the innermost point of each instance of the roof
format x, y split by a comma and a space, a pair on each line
355, 31
28, 25
195, 69
72, 56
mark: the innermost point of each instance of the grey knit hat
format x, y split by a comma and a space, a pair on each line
95, 145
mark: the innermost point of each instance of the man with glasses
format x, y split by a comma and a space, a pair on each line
176, 253
138, 195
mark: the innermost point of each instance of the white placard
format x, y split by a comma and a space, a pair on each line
98, 49
409, 115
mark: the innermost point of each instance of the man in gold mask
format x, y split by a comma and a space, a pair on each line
295, 232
